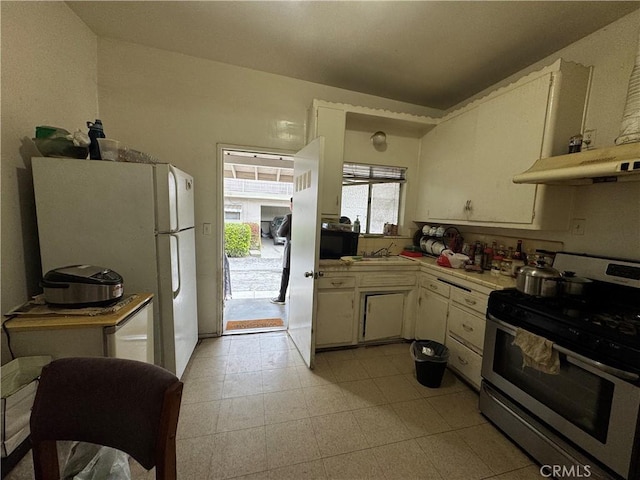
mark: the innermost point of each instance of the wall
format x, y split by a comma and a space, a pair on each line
179, 108
49, 77
612, 211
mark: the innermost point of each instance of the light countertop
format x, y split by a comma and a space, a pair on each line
487, 279
30, 321
494, 282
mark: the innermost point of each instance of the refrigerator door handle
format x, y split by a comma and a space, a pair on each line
174, 221
176, 280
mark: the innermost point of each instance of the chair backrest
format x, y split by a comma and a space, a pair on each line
125, 404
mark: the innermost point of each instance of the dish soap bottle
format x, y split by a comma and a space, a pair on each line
356, 224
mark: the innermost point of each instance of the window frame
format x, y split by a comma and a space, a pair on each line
377, 174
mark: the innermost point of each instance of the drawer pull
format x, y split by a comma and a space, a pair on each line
337, 284
470, 301
433, 287
462, 360
467, 328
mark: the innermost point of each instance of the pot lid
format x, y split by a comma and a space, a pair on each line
539, 270
571, 277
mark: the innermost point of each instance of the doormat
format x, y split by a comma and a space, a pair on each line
261, 323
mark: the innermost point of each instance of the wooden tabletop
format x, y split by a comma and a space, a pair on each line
25, 322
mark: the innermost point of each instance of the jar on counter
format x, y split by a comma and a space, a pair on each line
506, 267
496, 264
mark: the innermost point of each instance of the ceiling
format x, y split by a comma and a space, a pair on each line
430, 53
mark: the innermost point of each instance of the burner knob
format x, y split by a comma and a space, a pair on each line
576, 333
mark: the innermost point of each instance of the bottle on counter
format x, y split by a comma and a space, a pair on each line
518, 254
488, 256
478, 254
356, 224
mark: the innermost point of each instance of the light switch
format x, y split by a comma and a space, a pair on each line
206, 229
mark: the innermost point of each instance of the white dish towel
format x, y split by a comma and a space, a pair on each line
537, 352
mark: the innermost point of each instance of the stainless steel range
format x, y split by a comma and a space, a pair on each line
581, 418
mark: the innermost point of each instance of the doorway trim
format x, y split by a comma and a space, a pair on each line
219, 249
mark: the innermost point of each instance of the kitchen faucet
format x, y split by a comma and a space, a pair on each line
386, 250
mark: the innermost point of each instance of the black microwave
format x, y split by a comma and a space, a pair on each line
338, 243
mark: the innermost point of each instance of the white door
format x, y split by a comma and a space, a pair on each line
174, 198
305, 235
178, 299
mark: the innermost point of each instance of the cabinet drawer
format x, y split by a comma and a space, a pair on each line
464, 361
387, 280
467, 326
473, 300
336, 282
434, 285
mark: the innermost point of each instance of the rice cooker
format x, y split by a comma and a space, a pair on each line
79, 286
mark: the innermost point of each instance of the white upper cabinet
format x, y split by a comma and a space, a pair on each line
468, 161
330, 124
334, 121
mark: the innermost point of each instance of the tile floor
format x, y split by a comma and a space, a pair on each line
252, 410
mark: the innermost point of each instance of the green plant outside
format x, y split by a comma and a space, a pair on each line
237, 239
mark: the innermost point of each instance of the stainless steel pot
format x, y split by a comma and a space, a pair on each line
574, 286
538, 280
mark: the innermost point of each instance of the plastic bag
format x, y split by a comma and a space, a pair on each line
87, 461
453, 260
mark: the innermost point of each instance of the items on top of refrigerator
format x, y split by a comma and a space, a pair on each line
58, 142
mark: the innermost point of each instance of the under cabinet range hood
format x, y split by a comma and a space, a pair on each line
611, 164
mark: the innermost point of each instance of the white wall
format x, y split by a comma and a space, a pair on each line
178, 108
49, 77
612, 211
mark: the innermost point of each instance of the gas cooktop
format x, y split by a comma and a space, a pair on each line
604, 326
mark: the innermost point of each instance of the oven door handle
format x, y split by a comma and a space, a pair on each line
616, 372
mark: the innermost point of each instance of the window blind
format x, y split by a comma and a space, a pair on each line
357, 174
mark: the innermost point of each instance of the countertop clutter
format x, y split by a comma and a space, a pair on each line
486, 279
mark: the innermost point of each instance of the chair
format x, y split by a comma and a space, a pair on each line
124, 404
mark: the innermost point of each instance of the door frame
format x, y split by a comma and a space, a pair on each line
219, 219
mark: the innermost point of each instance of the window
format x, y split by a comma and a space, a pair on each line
372, 193
232, 212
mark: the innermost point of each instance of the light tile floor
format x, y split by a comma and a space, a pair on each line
252, 410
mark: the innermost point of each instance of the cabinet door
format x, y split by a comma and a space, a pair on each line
383, 316
446, 168
133, 339
509, 137
335, 317
431, 322
331, 124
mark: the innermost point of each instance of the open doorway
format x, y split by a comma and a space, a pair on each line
257, 188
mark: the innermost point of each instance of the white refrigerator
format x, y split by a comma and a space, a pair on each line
136, 219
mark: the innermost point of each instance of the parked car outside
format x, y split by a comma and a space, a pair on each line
273, 230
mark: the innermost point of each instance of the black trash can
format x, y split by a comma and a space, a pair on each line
431, 361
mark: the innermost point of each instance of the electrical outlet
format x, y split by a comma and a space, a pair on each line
578, 226
589, 139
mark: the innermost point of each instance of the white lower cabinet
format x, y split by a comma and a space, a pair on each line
467, 327
433, 307
464, 361
383, 316
451, 310
336, 312
366, 304
126, 333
